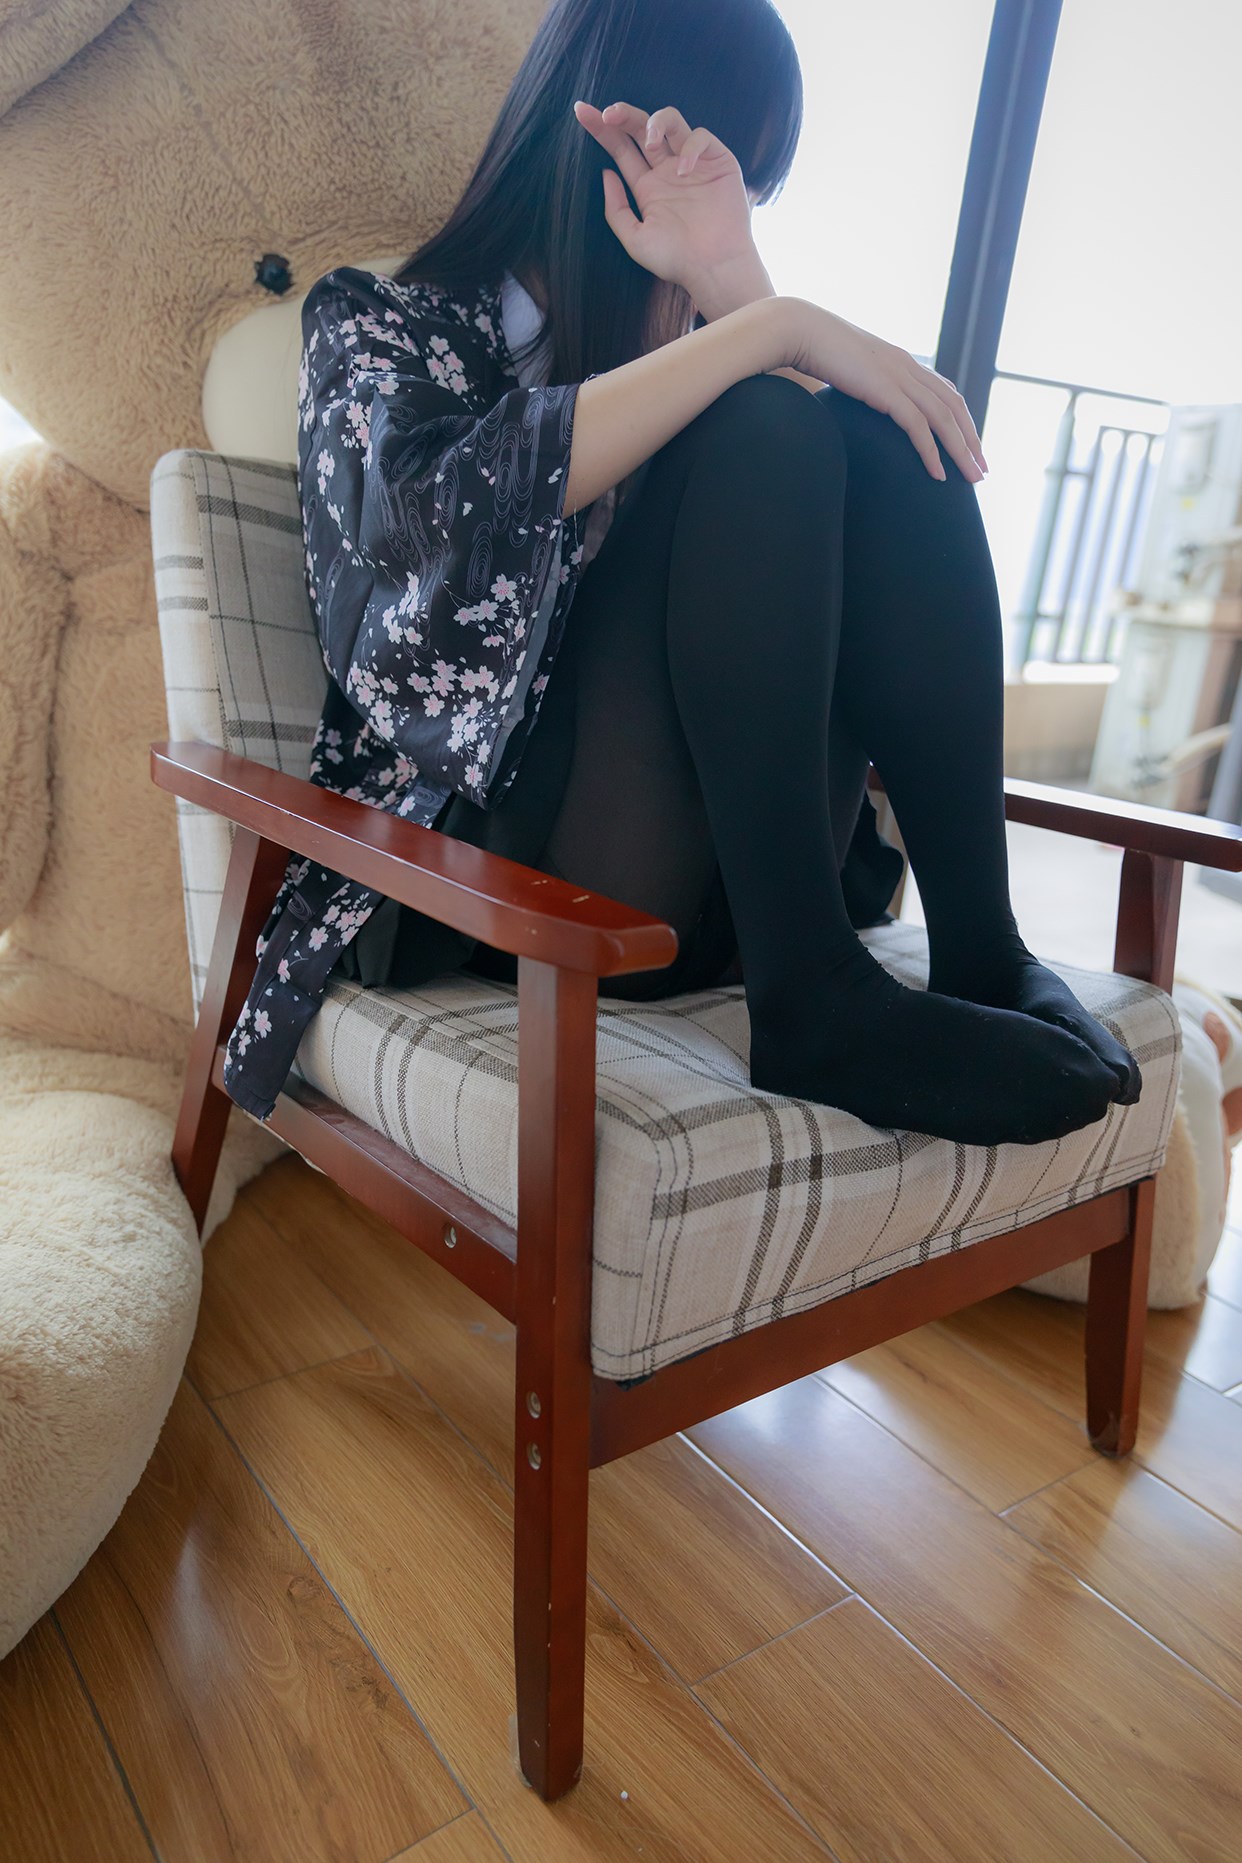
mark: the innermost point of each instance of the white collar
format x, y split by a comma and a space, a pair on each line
522, 319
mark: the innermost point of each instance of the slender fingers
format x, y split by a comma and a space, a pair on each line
696, 143
664, 125
912, 421
620, 216
624, 150
942, 417
650, 132
961, 413
627, 126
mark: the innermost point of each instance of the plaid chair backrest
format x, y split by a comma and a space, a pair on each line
243, 667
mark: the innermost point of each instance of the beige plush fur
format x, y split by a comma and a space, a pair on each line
1193, 1189
150, 155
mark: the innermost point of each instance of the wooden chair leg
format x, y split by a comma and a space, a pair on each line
256, 868
549, 1606
1116, 1328
1149, 901
556, 1199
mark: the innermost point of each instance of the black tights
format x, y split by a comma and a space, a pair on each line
788, 595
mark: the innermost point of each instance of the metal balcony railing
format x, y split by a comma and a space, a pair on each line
1088, 545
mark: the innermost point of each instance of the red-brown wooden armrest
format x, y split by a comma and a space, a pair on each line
1136, 825
513, 907
1126, 824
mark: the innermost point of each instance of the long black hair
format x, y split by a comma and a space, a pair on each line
536, 198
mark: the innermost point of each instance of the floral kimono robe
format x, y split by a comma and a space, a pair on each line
441, 568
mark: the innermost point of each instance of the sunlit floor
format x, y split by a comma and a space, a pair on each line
1065, 897
900, 1609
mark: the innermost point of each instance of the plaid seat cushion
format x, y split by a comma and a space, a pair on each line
717, 1206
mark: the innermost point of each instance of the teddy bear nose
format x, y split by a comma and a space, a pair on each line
273, 272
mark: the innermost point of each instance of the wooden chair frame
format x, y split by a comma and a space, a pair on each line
539, 1275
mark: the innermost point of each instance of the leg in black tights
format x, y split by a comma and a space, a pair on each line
928, 610
632, 822
742, 520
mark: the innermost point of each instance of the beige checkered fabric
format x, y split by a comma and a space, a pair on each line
718, 1207
243, 668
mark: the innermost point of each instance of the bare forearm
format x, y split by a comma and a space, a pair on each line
746, 283
626, 414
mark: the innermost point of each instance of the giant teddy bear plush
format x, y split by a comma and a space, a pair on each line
170, 173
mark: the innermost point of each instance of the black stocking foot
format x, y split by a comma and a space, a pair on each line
1005, 975
906, 1058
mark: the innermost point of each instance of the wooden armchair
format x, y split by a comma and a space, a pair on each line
653, 1281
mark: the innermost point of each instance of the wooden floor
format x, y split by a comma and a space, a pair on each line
897, 1610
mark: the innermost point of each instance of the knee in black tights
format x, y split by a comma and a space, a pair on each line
764, 423
875, 442
774, 418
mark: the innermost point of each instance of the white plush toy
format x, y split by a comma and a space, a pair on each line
1193, 1189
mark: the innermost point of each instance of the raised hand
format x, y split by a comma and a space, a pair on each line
693, 228
693, 214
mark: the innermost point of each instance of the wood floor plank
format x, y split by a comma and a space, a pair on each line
995, 1438
415, 1532
465, 1840
264, 1311
1159, 1557
1124, 1723
1189, 1435
449, 1340
1035, 1341
1204, 1340
877, 1736
250, 1717
1192, 1438
1225, 1273
60, 1794
702, 1572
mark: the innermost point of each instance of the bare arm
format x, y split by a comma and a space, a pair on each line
746, 282
626, 414
629, 413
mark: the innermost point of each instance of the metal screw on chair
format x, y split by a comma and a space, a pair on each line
450, 1237
532, 1454
532, 1403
